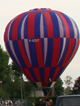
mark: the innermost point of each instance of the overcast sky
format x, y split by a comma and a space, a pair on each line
11, 8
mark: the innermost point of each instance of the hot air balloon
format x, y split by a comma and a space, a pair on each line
42, 42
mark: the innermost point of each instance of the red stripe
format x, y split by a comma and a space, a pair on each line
50, 10
60, 74
6, 32
74, 51
69, 51
47, 73
15, 27
76, 48
29, 74
44, 84
49, 24
39, 53
56, 50
66, 25
23, 54
56, 73
31, 21
37, 74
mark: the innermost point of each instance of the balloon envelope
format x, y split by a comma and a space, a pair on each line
42, 42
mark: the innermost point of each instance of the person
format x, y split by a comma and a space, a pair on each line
48, 103
34, 103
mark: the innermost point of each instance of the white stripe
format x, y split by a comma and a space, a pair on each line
74, 28
22, 28
45, 49
60, 26
53, 83
9, 28
41, 27
63, 48
27, 49
12, 49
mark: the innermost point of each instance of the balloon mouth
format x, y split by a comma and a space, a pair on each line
46, 91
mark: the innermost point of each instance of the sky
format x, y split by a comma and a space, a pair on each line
11, 8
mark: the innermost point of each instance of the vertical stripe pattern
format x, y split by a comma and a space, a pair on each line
42, 42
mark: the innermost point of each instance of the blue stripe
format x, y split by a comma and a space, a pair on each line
33, 74
33, 11
42, 45
46, 91
49, 52
11, 53
19, 27
70, 26
33, 54
74, 45
65, 52
10, 32
41, 70
73, 49
37, 25
43, 10
52, 72
18, 54
55, 25
45, 27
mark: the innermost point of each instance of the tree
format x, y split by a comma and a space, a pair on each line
4, 61
10, 75
2, 93
67, 91
59, 89
5, 72
68, 83
19, 80
76, 88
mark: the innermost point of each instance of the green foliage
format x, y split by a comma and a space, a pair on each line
59, 89
68, 83
4, 60
68, 91
28, 88
2, 93
17, 78
16, 70
76, 88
